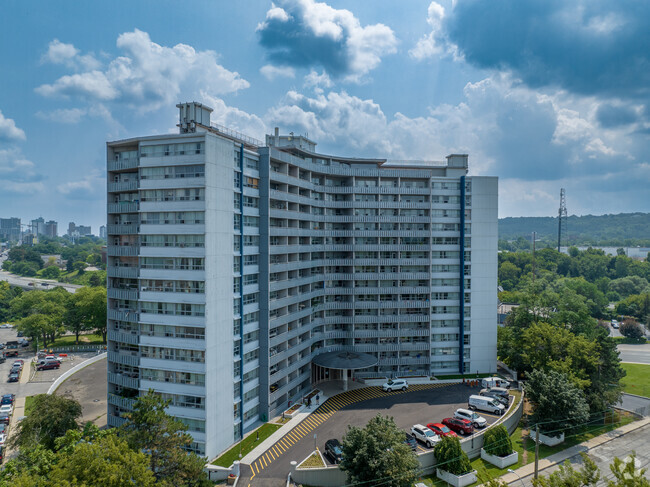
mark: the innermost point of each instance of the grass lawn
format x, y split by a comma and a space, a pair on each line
29, 401
83, 340
314, 461
521, 444
247, 445
637, 380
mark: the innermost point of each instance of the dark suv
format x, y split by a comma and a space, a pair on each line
48, 365
410, 440
495, 395
333, 450
460, 426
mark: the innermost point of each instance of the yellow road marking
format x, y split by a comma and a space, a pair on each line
263, 461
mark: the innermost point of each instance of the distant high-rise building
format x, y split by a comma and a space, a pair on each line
10, 229
102, 232
242, 273
51, 229
78, 230
38, 226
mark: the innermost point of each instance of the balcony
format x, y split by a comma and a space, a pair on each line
122, 402
123, 271
122, 164
123, 250
118, 336
123, 229
131, 185
130, 294
123, 315
123, 380
123, 207
124, 358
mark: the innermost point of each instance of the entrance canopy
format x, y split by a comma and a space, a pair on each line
345, 360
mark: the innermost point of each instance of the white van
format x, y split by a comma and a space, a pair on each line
485, 403
494, 382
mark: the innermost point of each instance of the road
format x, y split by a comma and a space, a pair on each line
635, 353
604, 454
24, 282
420, 404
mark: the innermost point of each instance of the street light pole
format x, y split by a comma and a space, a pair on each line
520, 480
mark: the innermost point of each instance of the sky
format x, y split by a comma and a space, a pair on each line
544, 94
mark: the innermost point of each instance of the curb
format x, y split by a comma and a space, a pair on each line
74, 370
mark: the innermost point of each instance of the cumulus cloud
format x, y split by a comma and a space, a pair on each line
315, 80
431, 44
271, 72
305, 33
234, 118
17, 173
585, 47
9, 131
61, 53
85, 188
63, 115
147, 75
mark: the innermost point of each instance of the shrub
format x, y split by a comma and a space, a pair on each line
631, 329
451, 457
497, 441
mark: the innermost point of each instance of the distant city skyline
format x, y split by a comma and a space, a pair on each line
544, 95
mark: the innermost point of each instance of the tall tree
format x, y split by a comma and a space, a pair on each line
50, 418
164, 439
377, 453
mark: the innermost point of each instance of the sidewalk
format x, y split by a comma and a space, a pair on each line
586, 446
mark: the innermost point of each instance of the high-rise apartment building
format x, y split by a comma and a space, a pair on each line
10, 229
51, 229
241, 272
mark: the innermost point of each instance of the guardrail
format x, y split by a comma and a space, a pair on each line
77, 348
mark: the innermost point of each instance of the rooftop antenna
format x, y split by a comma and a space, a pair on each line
562, 219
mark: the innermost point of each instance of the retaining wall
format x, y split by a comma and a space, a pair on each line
73, 370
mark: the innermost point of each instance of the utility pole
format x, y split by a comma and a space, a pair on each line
534, 238
536, 450
561, 219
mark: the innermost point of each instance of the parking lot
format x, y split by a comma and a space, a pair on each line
421, 404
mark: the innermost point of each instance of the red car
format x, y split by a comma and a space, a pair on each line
460, 426
48, 366
440, 429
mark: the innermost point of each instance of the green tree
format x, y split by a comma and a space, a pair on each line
50, 418
41, 313
105, 462
377, 454
496, 441
51, 272
86, 310
558, 405
631, 329
163, 438
567, 476
451, 457
626, 474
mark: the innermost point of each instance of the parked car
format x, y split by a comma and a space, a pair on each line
410, 440
17, 364
16, 369
50, 359
19, 334
14, 377
395, 385
2, 454
440, 429
495, 396
48, 366
461, 426
3, 428
494, 382
615, 324
6, 325
3, 438
23, 342
485, 404
425, 435
333, 450
6, 409
476, 420
5, 418
8, 399
501, 391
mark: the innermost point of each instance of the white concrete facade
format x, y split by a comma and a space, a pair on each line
232, 263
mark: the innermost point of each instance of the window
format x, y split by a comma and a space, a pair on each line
172, 149
173, 172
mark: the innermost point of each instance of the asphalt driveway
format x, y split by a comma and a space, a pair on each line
420, 404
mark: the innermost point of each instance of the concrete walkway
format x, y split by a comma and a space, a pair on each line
623, 442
